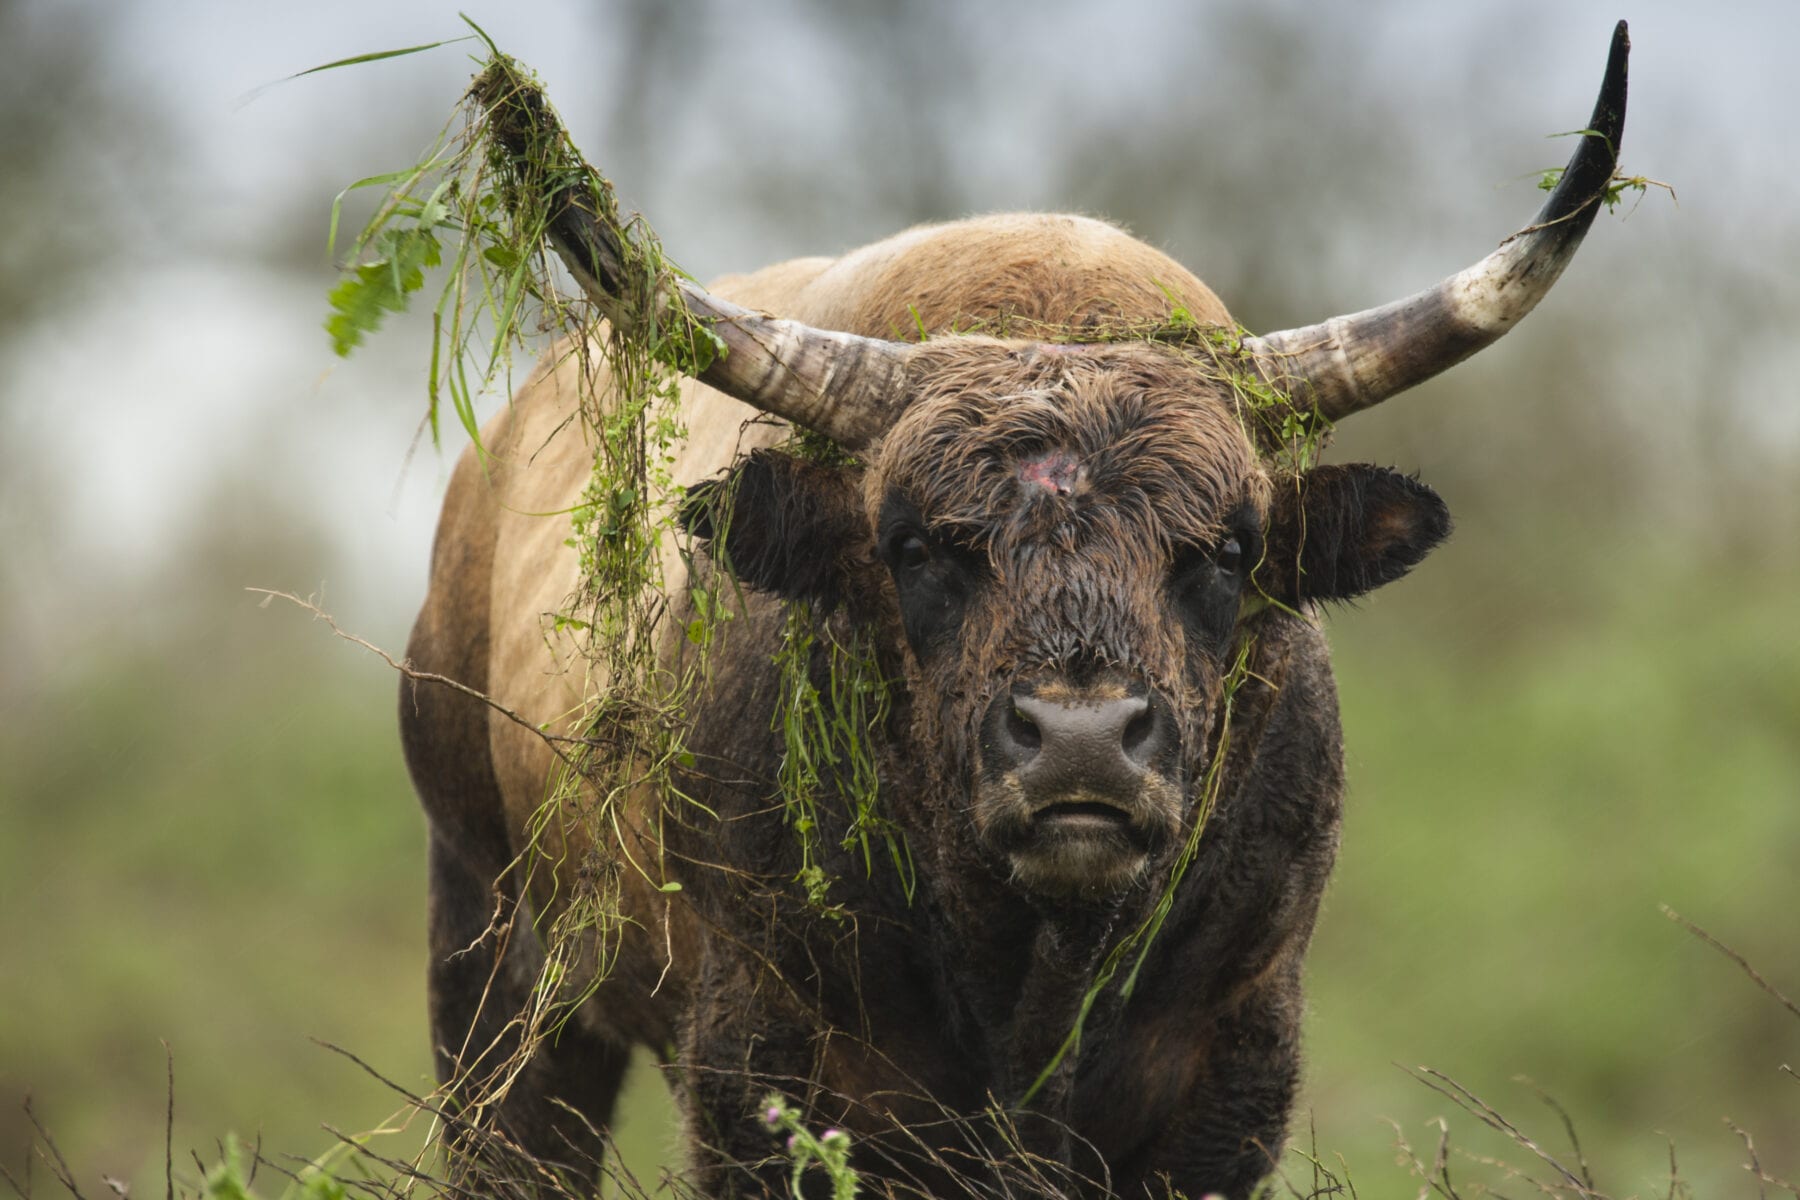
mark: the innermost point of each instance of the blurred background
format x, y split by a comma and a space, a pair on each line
1586, 705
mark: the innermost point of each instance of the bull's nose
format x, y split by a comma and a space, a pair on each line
1103, 745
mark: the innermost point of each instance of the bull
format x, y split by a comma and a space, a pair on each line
1090, 591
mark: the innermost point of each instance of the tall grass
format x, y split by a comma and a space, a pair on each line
211, 841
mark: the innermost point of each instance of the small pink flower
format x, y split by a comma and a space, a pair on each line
772, 1116
831, 1135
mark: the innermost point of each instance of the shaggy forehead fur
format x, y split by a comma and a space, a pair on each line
1015, 446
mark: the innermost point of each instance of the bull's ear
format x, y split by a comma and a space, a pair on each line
791, 527
1341, 531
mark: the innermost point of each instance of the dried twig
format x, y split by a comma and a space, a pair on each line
47, 1150
1587, 1174
417, 676
1675, 1180
1755, 1167
22, 1191
1488, 1115
1734, 956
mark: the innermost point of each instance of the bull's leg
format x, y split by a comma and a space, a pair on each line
484, 965
747, 1035
736, 1050
1232, 1130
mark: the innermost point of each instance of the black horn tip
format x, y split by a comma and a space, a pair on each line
1577, 195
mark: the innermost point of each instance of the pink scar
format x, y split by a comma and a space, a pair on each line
1056, 472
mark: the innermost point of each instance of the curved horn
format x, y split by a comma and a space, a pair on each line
846, 387
1350, 363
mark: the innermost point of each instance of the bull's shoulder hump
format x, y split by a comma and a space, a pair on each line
1052, 268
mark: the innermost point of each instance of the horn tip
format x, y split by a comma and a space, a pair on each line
1596, 155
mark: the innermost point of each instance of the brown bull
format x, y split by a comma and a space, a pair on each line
1090, 584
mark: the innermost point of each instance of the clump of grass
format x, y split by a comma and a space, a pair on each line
828, 740
1616, 187
482, 204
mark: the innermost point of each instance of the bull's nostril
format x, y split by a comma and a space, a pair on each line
1101, 744
1138, 732
1022, 730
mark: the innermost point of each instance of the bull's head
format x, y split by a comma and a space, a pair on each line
1065, 542
1065, 545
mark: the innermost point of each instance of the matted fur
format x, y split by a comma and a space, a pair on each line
906, 1019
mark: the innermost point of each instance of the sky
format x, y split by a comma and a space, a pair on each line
195, 355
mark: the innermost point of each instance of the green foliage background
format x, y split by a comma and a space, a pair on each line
1586, 705
247, 875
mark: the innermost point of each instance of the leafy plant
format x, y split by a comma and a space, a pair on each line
1616, 187
830, 1149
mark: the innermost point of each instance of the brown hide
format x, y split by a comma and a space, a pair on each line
501, 569
1060, 550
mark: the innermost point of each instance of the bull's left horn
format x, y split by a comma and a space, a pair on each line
1350, 363
846, 387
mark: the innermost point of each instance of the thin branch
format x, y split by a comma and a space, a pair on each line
23, 1192
417, 676
1490, 1116
46, 1149
1440, 1165
1555, 1191
418, 1102
169, 1128
1677, 1187
1734, 956
1587, 1173
1755, 1167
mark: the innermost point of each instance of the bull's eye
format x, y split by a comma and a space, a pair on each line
907, 551
1206, 584
1229, 557
935, 575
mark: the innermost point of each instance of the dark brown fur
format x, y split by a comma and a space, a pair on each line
1072, 508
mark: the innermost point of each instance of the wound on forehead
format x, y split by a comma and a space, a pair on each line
1056, 472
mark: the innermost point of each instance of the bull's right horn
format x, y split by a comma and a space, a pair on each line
849, 388
846, 387
1349, 363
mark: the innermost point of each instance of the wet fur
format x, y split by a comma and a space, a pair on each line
906, 1021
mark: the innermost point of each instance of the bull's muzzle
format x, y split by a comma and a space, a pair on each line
1077, 786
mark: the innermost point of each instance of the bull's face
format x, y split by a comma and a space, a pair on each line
1069, 536
1063, 550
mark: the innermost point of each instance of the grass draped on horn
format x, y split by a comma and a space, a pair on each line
482, 203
